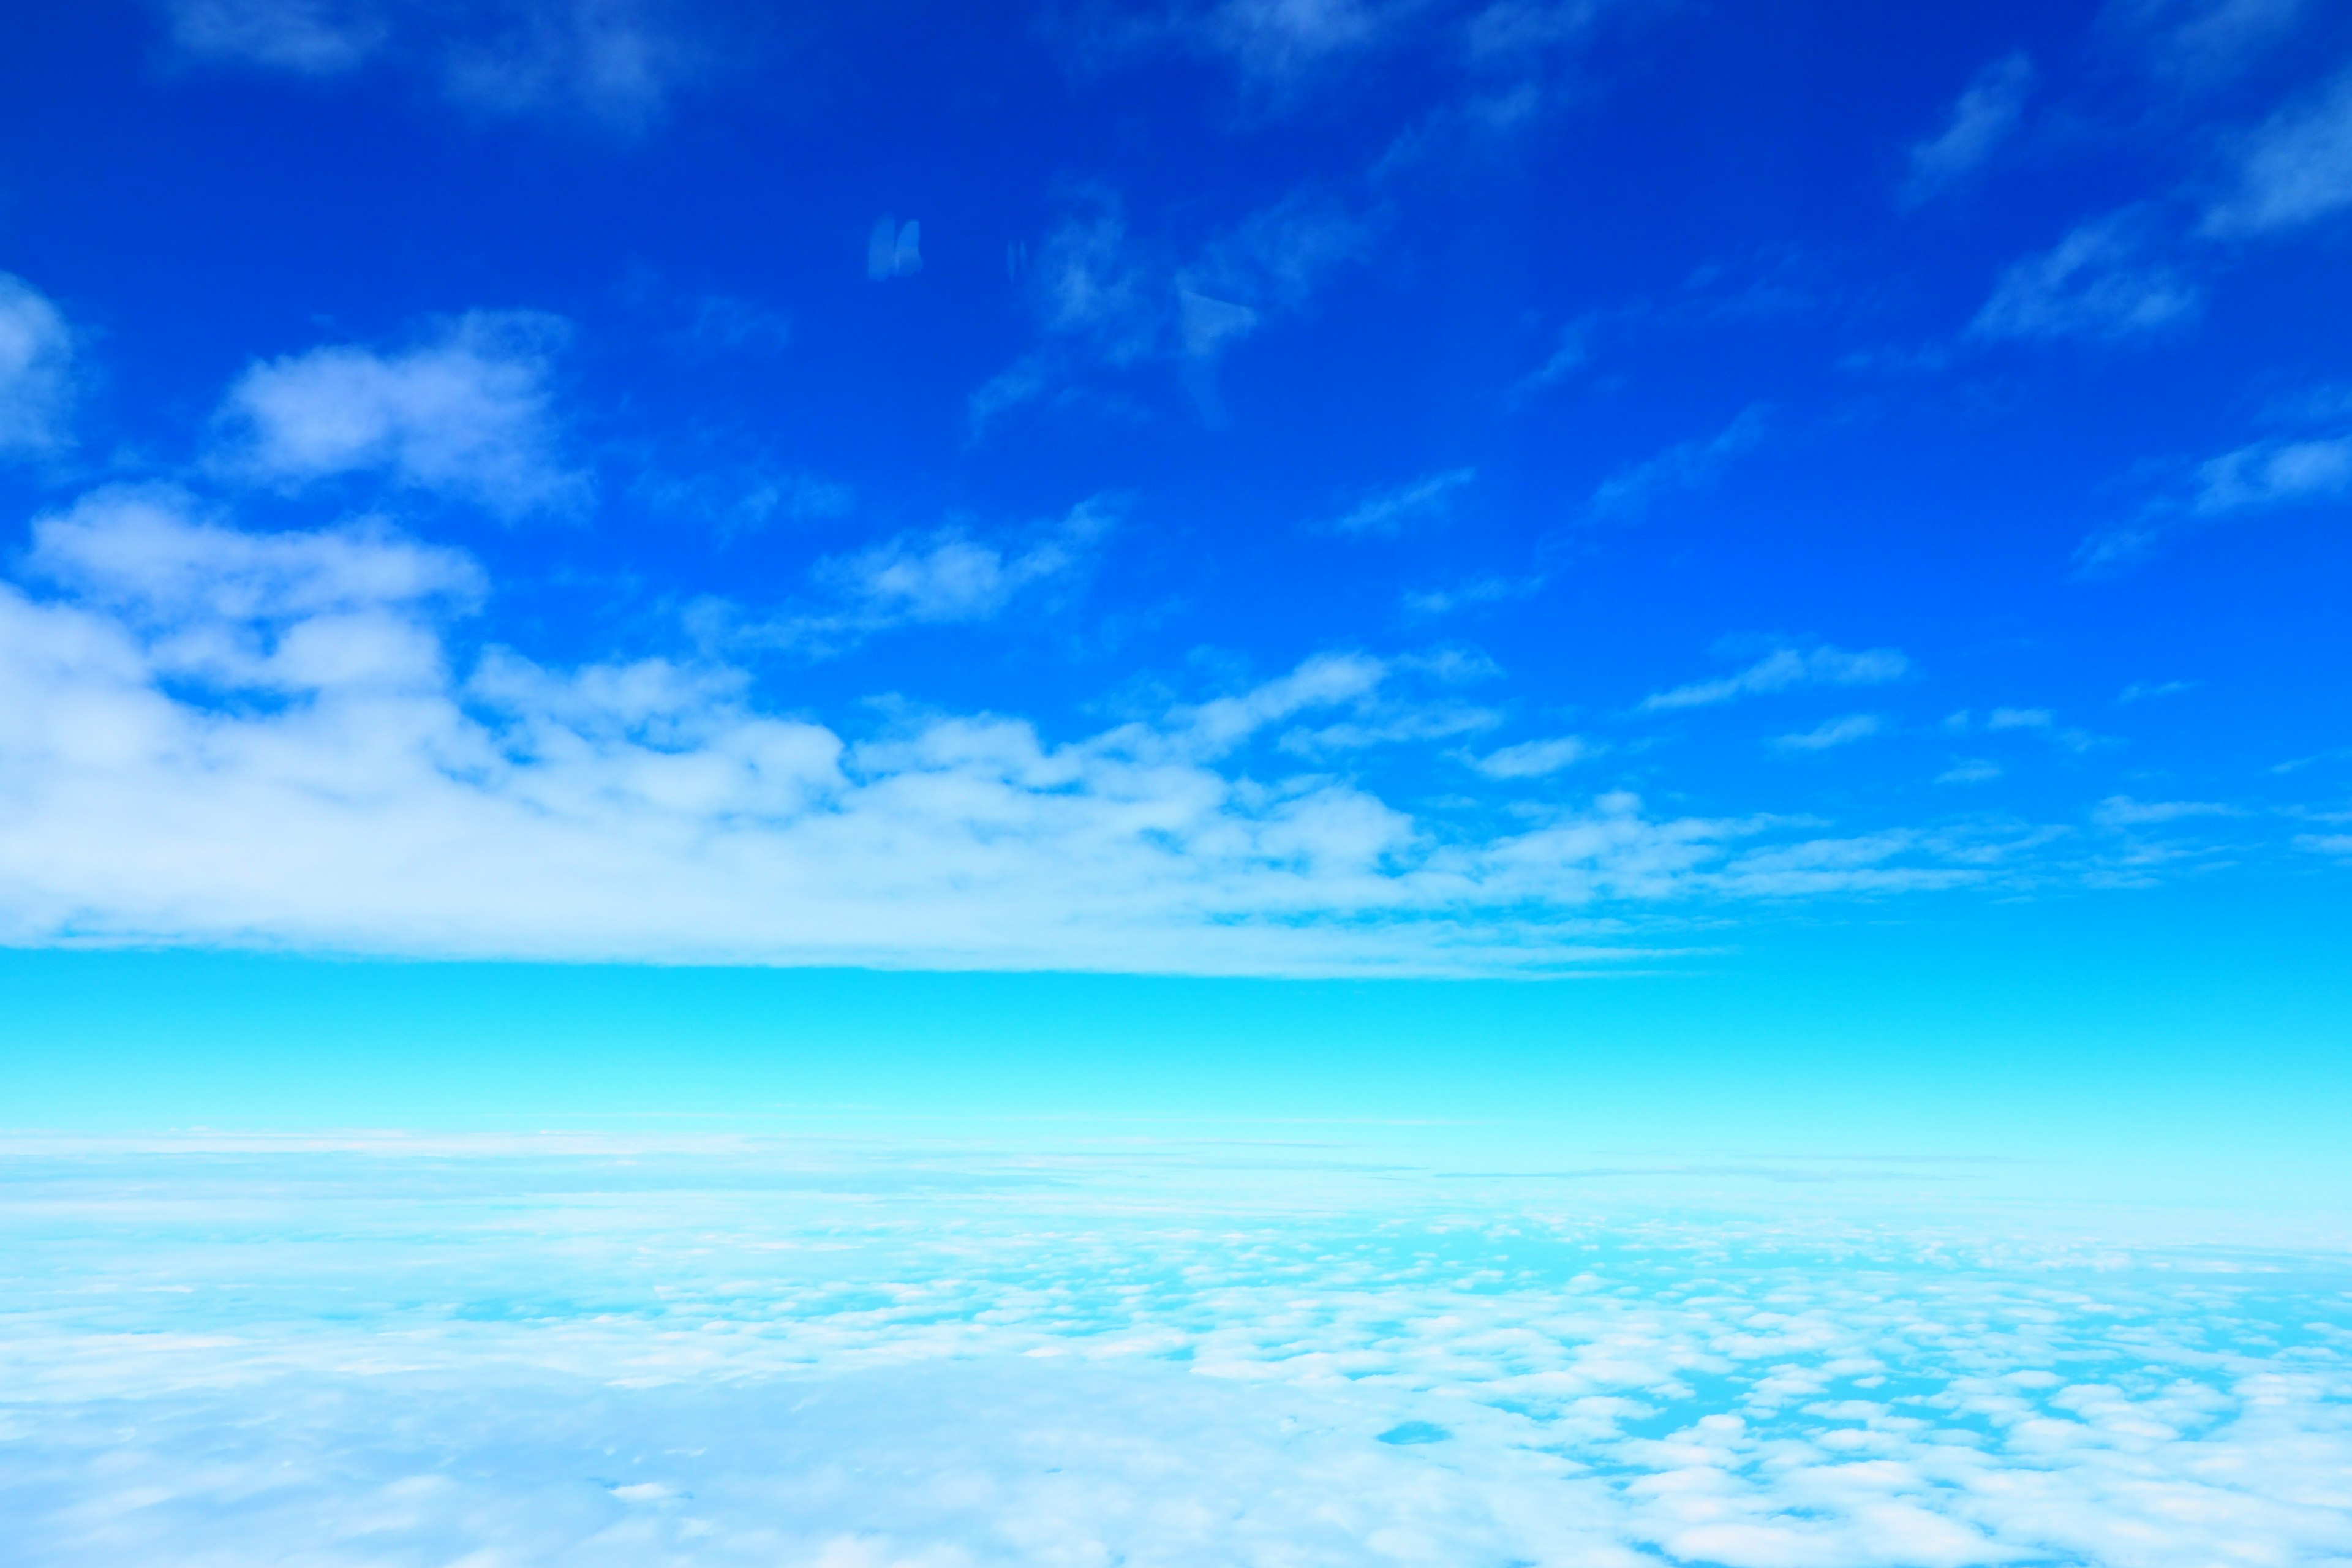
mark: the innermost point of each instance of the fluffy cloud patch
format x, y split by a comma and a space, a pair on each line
36, 370
209, 734
465, 414
1785, 669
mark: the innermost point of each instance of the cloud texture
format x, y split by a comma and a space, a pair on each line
211, 734
723, 1352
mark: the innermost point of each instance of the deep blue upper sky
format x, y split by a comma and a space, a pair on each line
1282, 485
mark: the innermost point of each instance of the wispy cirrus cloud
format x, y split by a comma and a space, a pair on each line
1107, 300
1388, 513
1784, 669
950, 575
1984, 118
36, 366
1685, 465
466, 412
1831, 733
2106, 280
2197, 45
2294, 169
1537, 759
2311, 467
618, 62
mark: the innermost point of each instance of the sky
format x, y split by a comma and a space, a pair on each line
1298, 783
1833, 508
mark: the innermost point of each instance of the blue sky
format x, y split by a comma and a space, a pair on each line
1287, 489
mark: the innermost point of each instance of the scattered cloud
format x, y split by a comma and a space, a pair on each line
2271, 473
1536, 759
2147, 690
724, 323
2295, 169
1391, 723
1571, 353
465, 413
1985, 117
308, 38
2119, 812
1275, 47
2028, 721
618, 62
894, 249
36, 353
737, 499
2199, 44
1429, 604
942, 576
1970, 770
2100, 281
1389, 512
1785, 669
218, 736
1832, 733
1684, 465
1104, 299
2277, 471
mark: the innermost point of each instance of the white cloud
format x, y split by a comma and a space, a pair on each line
2032, 721
1104, 299
218, 736
464, 414
609, 1352
1427, 603
1536, 759
894, 249
617, 62
2295, 170
1832, 733
1970, 770
2276, 471
1784, 668
1389, 512
2099, 282
944, 576
1684, 465
2199, 44
309, 37
37, 354
2268, 473
2121, 811
1985, 116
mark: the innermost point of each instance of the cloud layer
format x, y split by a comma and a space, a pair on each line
721, 1351
210, 734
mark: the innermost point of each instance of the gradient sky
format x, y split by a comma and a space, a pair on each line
1832, 517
